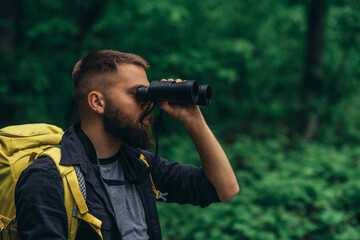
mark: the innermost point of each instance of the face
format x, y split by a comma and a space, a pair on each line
123, 111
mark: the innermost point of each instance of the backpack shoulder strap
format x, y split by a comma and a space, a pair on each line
156, 192
75, 204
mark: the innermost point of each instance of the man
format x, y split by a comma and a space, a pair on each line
107, 146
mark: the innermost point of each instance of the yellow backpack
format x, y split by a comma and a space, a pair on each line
20, 146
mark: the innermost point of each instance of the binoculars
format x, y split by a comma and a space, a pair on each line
186, 92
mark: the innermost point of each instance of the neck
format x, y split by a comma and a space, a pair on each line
104, 143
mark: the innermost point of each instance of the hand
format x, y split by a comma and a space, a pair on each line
213, 158
186, 113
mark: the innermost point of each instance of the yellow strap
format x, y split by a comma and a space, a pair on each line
68, 172
93, 222
75, 190
55, 154
81, 204
143, 159
7, 227
7, 223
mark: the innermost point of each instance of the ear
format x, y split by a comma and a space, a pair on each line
97, 102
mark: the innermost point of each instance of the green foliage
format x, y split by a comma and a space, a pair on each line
288, 191
252, 54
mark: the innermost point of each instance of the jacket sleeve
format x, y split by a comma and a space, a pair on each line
39, 201
183, 184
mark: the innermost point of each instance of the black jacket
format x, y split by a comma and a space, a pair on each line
39, 197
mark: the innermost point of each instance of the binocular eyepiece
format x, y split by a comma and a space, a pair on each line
186, 92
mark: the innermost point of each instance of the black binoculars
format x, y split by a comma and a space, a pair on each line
186, 92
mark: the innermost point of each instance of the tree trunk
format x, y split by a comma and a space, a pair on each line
8, 16
312, 85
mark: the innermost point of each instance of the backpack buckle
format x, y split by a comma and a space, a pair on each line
2, 236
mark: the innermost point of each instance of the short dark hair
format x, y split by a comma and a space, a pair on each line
104, 61
94, 66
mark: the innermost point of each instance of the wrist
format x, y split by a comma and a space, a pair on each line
194, 122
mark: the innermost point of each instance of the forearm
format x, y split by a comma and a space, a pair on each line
213, 158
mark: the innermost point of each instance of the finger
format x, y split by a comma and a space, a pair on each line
163, 104
178, 80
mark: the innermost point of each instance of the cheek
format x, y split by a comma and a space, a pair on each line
127, 104
132, 110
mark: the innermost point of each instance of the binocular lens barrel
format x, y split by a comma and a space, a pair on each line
205, 95
186, 92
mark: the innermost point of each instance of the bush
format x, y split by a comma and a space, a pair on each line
289, 190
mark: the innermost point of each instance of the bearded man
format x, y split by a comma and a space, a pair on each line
109, 147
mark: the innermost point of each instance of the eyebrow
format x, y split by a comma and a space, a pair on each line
136, 87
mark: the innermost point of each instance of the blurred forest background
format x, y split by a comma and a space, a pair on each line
285, 77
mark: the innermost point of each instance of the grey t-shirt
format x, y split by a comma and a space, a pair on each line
126, 202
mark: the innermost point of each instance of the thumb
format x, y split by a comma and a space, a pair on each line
164, 105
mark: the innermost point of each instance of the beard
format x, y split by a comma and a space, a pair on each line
127, 128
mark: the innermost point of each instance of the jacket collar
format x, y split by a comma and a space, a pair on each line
72, 149
87, 144
76, 149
